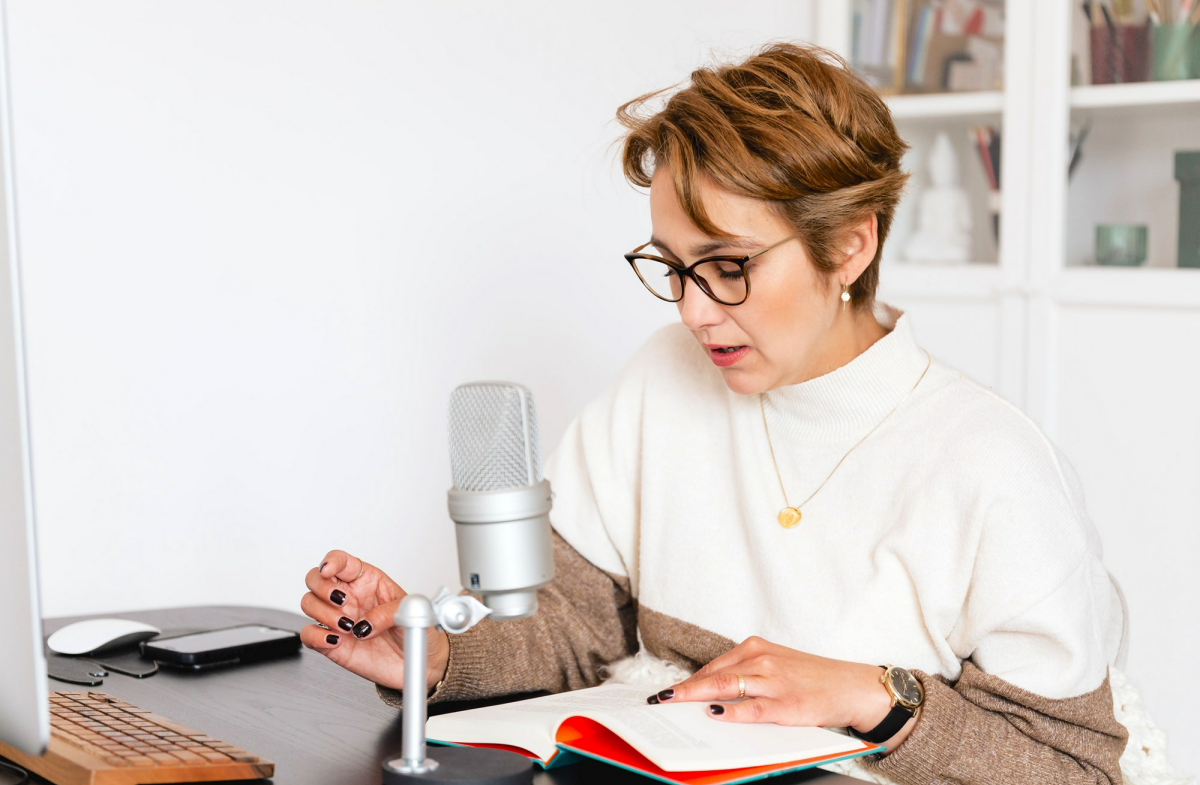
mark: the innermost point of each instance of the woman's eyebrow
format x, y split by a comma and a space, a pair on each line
748, 243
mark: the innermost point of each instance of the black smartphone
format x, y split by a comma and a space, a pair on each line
226, 646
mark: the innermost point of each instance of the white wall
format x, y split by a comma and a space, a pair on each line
263, 241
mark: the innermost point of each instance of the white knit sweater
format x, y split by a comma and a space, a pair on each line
955, 530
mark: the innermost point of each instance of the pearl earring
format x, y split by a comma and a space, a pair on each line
845, 297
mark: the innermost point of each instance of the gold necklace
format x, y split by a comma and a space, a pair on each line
789, 516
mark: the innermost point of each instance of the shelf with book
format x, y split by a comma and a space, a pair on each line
952, 165
941, 68
925, 46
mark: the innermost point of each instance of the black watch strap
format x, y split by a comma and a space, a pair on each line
890, 726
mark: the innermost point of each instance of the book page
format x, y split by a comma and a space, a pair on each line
676, 737
684, 737
504, 724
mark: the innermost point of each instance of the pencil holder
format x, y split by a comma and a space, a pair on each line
1176, 51
1120, 53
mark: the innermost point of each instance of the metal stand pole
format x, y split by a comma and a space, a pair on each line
461, 765
416, 616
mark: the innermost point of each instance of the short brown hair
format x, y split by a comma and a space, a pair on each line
792, 124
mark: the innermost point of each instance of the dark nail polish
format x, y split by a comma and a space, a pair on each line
666, 695
338, 596
346, 624
331, 639
362, 629
322, 567
653, 699
717, 708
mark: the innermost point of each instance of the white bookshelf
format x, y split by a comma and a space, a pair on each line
1106, 360
1037, 107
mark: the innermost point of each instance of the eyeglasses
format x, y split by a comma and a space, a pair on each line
723, 278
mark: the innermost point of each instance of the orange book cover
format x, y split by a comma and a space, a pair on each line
591, 739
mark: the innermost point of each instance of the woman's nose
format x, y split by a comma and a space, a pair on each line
697, 310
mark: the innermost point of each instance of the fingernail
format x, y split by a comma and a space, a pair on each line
666, 695
362, 629
338, 596
331, 639
717, 708
346, 624
322, 567
653, 699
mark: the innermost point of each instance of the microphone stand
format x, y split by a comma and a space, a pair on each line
464, 765
500, 506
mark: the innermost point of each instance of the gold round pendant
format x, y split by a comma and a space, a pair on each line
789, 517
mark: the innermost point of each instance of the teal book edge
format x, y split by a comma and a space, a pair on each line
568, 755
749, 778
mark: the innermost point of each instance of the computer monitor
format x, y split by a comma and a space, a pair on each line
24, 702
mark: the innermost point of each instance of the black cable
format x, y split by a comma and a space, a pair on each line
20, 772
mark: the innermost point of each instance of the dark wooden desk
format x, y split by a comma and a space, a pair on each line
320, 724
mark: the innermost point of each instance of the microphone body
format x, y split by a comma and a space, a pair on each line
500, 504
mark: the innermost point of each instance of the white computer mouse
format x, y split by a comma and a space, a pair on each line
92, 635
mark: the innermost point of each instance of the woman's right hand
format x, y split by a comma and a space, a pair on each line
357, 601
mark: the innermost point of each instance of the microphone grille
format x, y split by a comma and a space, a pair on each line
493, 437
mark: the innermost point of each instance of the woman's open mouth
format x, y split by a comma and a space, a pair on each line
728, 355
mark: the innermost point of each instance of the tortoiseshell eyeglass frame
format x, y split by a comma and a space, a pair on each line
689, 271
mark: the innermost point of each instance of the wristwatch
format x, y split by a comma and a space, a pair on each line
907, 695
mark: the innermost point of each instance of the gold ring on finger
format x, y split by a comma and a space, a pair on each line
741, 687
362, 567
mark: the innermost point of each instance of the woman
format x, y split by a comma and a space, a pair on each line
787, 468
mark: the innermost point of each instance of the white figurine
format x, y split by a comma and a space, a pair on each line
943, 230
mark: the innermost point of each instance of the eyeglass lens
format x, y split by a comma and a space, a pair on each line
722, 280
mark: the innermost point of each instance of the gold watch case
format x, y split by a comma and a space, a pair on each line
902, 686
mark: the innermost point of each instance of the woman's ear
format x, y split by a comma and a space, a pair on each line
859, 244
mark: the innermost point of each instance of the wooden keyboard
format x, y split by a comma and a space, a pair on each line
96, 739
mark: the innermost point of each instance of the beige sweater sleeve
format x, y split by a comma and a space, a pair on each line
985, 730
586, 618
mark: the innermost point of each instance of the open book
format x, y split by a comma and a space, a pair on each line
672, 742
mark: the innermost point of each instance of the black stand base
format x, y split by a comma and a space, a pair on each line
468, 766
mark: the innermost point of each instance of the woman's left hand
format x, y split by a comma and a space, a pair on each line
787, 687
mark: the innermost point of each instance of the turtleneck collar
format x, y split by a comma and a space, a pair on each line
848, 401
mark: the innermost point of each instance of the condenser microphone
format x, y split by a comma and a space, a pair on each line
500, 504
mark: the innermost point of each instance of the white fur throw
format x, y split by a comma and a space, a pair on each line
1143, 763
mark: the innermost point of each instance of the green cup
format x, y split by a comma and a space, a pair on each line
1121, 245
1176, 51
